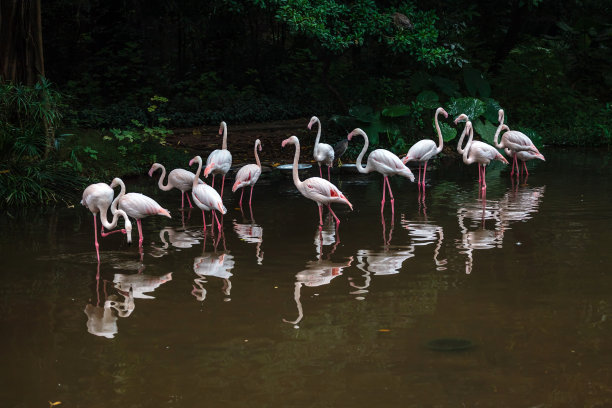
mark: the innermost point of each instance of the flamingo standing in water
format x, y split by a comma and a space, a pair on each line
477, 152
523, 157
248, 175
137, 206
513, 140
206, 197
98, 198
317, 189
322, 152
220, 160
384, 162
178, 178
426, 149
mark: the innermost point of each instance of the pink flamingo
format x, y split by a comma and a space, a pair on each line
317, 189
477, 152
248, 175
206, 197
524, 157
383, 162
322, 152
220, 160
137, 206
98, 198
513, 140
178, 178
423, 150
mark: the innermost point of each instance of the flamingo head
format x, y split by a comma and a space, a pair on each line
195, 159
313, 120
258, 142
442, 111
540, 156
164, 212
501, 158
222, 126
154, 167
208, 169
461, 117
116, 182
354, 132
500, 116
405, 159
290, 140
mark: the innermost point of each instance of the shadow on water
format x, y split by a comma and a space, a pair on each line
329, 317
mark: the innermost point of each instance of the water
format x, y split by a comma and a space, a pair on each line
280, 314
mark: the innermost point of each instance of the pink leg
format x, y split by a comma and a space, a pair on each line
182, 200
140, 239
216, 219
328, 173
392, 199
204, 221
96, 237
382, 203
332, 213
517, 165
424, 171
320, 217
525, 165
251, 196
241, 193
484, 177
222, 185
188, 200
419, 173
320, 172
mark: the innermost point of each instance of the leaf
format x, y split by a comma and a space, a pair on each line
472, 107
486, 130
396, 111
448, 132
362, 113
492, 108
429, 99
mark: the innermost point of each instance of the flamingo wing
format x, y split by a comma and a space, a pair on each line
247, 176
222, 160
182, 179
139, 206
324, 154
324, 192
422, 150
388, 164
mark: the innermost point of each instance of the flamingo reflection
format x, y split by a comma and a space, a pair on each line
139, 283
212, 264
253, 234
101, 321
422, 233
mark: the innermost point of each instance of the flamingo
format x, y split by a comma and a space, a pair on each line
317, 189
477, 152
178, 178
524, 157
248, 175
423, 150
384, 162
513, 140
137, 206
322, 152
98, 198
219, 161
206, 197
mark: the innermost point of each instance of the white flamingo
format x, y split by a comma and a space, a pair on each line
178, 178
137, 206
98, 198
513, 140
322, 152
477, 152
426, 149
220, 160
248, 175
317, 189
205, 197
523, 157
383, 162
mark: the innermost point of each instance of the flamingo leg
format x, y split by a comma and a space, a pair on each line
392, 199
517, 165
419, 174
334, 214
140, 237
328, 173
320, 217
222, 185
512, 172
217, 219
484, 177
182, 200
242, 192
251, 197
424, 171
204, 221
96, 237
320, 172
382, 203
188, 200
525, 165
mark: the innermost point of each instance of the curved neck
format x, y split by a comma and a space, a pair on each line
318, 134
496, 137
160, 183
363, 169
196, 179
116, 214
440, 140
224, 144
296, 159
116, 200
459, 149
257, 143
466, 150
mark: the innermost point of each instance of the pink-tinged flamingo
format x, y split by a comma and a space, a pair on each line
137, 206
523, 157
206, 197
383, 162
178, 178
317, 189
98, 198
477, 152
426, 149
220, 160
248, 175
513, 140
322, 152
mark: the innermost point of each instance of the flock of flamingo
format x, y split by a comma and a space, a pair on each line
99, 197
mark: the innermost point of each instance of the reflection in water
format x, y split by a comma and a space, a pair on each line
516, 205
180, 238
100, 319
140, 283
215, 265
253, 234
424, 233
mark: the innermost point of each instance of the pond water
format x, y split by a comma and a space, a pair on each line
277, 313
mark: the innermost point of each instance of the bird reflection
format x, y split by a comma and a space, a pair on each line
140, 283
518, 204
253, 234
212, 264
423, 232
101, 321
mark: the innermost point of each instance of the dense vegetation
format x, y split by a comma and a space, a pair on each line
129, 71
